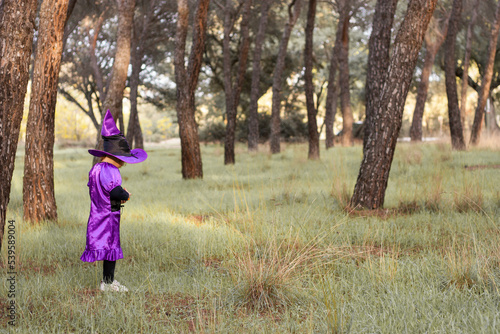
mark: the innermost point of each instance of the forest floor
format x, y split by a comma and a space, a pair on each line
269, 245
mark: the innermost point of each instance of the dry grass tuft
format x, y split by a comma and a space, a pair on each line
408, 207
198, 220
489, 142
363, 213
472, 266
459, 265
411, 154
340, 192
337, 322
361, 253
471, 199
444, 150
269, 278
434, 196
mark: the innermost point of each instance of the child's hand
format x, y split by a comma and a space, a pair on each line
129, 194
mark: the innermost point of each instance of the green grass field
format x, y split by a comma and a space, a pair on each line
268, 246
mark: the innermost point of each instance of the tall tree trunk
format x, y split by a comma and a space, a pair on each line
243, 56
39, 202
486, 82
139, 35
228, 84
134, 132
345, 95
490, 118
430, 55
114, 93
456, 131
423, 87
468, 49
293, 14
309, 88
233, 92
253, 113
69, 28
120, 121
332, 89
187, 80
17, 25
331, 107
378, 59
138, 138
118, 80
94, 63
371, 184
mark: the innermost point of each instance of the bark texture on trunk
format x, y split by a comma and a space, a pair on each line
39, 202
69, 28
187, 80
17, 25
456, 131
118, 80
233, 92
468, 50
94, 64
312, 125
371, 184
134, 132
114, 94
486, 82
378, 59
139, 36
345, 94
432, 48
423, 88
228, 85
253, 113
293, 14
332, 89
490, 118
244, 50
331, 107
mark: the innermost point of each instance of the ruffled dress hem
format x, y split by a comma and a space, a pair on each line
102, 254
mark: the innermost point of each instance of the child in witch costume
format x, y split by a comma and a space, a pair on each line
107, 195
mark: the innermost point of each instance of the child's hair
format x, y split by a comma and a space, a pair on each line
120, 162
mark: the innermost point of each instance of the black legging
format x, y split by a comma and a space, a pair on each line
108, 271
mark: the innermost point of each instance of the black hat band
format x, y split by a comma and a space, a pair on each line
116, 145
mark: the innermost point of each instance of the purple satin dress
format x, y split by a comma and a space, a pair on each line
103, 228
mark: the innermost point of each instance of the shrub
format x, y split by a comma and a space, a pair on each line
213, 132
293, 129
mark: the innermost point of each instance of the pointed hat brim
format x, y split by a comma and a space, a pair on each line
137, 155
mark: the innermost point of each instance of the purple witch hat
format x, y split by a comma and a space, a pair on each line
116, 145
